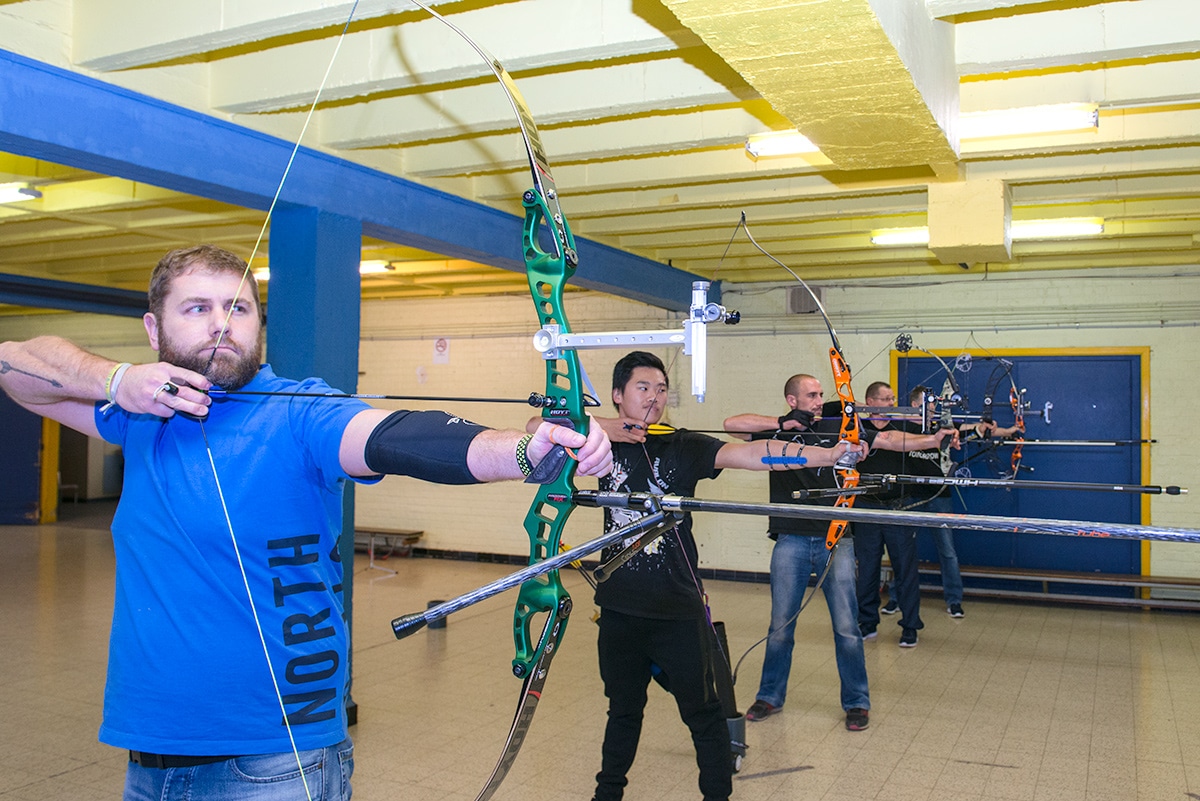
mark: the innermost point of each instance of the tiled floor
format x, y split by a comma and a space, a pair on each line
1016, 701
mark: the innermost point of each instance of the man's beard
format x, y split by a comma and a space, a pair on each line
226, 371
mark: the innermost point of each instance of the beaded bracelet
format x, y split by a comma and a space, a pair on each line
522, 457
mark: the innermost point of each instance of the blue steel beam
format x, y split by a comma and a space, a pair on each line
44, 293
57, 115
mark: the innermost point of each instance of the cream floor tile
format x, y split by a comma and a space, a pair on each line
1015, 702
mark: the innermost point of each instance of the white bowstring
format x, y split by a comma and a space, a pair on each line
262, 638
283, 179
254, 612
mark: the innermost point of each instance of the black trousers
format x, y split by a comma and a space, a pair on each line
901, 542
630, 647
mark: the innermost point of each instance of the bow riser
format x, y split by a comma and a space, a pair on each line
547, 275
846, 470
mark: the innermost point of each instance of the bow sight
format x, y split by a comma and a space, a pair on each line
551, 340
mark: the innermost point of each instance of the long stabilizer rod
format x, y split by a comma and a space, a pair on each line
408, 624
1002, 483
1024, 525
664, 511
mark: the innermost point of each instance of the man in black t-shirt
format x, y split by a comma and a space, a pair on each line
901, 541
800, 552
938, 499
654, 615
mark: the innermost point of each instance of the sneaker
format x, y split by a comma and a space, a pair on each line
891, 607
955, 610
760, 709
857, 719
868, 633
908, 639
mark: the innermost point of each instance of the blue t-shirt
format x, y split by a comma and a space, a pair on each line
186, 669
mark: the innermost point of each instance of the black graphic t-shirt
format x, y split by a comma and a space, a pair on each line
660, 581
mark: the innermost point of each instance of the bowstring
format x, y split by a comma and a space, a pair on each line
220, 338
743, 226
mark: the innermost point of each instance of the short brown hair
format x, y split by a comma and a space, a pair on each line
792, 385
208, 258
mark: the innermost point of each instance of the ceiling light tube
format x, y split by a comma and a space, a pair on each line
1060, 118
1061, 228
16, 192
373, 267
369, 267
901, 236
779, 143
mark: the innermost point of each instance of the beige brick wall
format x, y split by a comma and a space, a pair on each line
491, 355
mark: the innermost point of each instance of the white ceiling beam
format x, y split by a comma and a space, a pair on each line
941, 9
1162, 83
1073, 36
612, 91
667, 218
731, 193
653, 135
123, 34
1080, 166
710, 166
1118, 128
427, 53
698, 173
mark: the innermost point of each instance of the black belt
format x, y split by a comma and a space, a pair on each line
147, 760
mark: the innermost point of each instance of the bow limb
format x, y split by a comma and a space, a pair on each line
951, 396
547, 517
846, 468
1016, 399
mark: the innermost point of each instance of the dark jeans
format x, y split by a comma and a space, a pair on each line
629, 646
869, 542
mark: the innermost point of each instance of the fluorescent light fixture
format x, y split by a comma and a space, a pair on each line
901, 236
779, 143
14, 193
370, 267
1062, 228
1061, 118
373, 267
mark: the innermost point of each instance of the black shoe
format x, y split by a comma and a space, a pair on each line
857, 719
891, 607
868, 632
761, 709
955, 610
908, 639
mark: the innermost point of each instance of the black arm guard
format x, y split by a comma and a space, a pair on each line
431, 446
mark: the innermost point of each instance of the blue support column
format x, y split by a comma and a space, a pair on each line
313, 306
314, 295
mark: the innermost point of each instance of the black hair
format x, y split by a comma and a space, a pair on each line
623, 369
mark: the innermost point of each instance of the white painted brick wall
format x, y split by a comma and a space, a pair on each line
491, 355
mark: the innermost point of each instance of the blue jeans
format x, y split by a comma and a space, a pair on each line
262, 777
943, 538
795, 558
